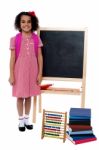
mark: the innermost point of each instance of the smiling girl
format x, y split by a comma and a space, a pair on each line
25, 65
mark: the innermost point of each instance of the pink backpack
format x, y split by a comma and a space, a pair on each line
18, 44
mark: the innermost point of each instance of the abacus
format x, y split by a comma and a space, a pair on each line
54, 124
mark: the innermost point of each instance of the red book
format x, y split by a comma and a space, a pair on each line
79, 127
45, 86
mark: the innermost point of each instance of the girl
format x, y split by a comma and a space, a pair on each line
25, 65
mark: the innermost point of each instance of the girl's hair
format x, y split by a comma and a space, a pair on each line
34, 21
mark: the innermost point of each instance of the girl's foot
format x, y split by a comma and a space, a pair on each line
21, 124
29, 127
21, 128
27, 124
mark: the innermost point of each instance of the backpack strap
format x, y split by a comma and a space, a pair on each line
18, 44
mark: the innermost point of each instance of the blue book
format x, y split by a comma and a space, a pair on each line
79, 117
80, 112
80, 132
82, 137
79, 137
79, 141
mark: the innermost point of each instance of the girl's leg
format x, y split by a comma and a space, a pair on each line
27, 112
20, 108
27, 105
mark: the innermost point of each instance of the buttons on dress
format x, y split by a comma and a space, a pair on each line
27, 46
27, 39
28, 43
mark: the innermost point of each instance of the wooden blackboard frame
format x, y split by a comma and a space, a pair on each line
82, 80
84, 57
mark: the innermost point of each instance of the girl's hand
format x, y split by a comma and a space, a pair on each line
39, 78
11, 80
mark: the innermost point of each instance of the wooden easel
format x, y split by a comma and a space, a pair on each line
68, 91
35, 107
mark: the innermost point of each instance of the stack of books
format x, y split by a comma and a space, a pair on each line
79, 127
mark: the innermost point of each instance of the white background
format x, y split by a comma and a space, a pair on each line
51, 13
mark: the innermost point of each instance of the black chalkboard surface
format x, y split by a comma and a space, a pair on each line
63, 53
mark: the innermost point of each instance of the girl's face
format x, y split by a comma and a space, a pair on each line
25, 23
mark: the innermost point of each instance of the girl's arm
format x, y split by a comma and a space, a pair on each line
12, 63
40, 66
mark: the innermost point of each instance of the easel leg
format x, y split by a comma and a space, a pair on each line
34, 109
40, 103
83, 99
43, 119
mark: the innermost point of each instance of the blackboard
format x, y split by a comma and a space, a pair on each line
63, 53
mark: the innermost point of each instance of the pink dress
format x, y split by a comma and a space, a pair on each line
26, 69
